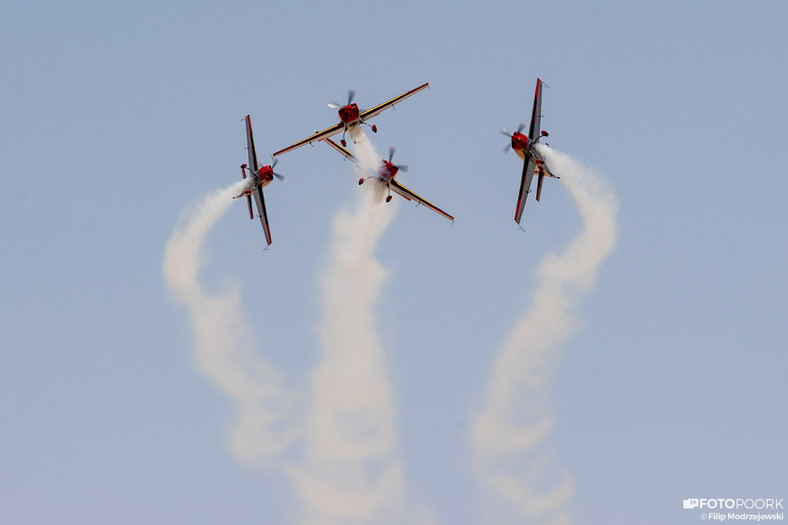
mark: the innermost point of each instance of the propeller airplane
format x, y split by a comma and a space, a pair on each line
351, 117
259, 177
386, 175
534, 162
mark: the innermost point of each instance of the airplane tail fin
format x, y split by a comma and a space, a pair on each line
249, 204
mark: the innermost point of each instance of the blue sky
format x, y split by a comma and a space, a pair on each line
116, 118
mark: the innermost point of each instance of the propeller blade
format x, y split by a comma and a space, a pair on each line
276, 160
520, 128
507, 148
403, 167
278, 176
392, 149
351, 93
505, 133
333, 105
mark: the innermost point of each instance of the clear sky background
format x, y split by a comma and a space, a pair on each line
116, 116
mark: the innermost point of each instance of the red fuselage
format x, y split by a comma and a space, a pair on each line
519, 141
388, 171
348, 114
266, 174
263, 178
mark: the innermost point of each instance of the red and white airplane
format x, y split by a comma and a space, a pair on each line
386, 175
350, 117
525, 147
259, 177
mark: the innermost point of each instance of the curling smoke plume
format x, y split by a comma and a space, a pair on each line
512, 457
224, 341
350, 473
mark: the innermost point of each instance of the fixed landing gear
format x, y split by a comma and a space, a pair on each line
343, 142
388, 199
373, 127
360, 181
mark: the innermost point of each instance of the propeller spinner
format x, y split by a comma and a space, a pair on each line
504, 132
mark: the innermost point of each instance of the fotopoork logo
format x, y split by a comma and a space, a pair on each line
734, 503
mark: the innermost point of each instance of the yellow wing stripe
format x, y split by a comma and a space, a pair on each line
341, 150
409, 194
333, 130
380, 107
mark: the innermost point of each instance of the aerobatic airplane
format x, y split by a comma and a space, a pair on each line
525, 147
259, 177
386, 175
350, 117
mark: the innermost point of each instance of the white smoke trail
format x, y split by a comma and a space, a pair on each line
224, 342
350, 472
511, 455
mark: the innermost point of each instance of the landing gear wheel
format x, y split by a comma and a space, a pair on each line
343, 142
374, 128
388, 199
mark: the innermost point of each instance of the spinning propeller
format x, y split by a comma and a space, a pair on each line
273, 165
403, 167
351, 93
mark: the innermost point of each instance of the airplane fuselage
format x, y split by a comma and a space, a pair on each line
349, 115
519, 143
266, 175
350, 118
525, 148
387, 171
523, 153
261, 177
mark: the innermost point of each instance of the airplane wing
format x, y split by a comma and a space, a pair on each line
395, 186
250, 145
258, 198
536, 114
342, 151
328, 132
380, 107
529, 166
398, 188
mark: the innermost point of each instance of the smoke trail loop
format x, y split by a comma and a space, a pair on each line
224, 341
350, 473
512, 457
